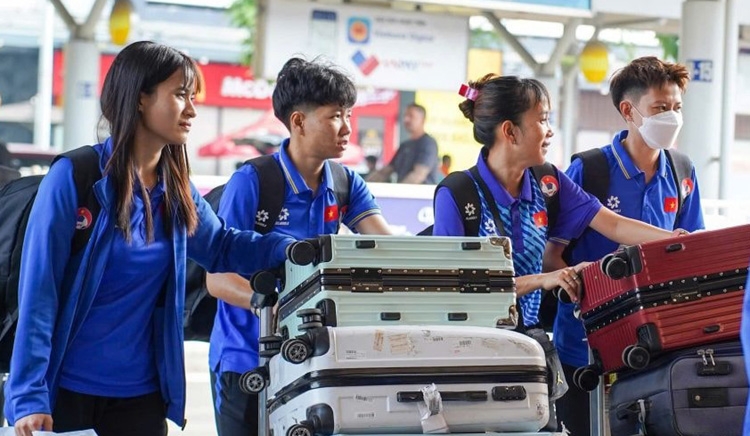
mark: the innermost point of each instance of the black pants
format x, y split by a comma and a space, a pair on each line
236, 412
137, 416
573, 407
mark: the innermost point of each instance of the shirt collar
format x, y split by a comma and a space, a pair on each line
626, 164
294, 178
502, 196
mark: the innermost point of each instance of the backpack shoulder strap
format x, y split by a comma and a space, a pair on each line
341, 186
270, 184
682, 168
595, 172
552, 202
464, 192
341, 183
86, 172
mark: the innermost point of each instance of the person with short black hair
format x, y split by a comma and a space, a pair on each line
100, 334
314, 100
416, 160
647, 93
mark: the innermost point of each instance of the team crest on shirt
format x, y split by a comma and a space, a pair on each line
283, 219
686, 186
471, 211
549, 185
84, 218
613, 202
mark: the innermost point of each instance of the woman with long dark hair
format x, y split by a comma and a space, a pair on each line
99, 336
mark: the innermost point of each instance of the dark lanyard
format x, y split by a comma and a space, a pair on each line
490, 200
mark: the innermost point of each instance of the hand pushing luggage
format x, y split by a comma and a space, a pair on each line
357, 280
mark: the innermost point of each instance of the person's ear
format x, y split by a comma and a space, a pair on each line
297, 122
626, 110
508, 131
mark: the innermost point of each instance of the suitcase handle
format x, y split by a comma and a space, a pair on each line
471, 246
417, 397
671, 248
365, 243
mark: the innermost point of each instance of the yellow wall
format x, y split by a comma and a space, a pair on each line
445, 122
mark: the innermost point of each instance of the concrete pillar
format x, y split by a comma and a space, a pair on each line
702, 50
555, 154
43, 101
731, 49
81, 96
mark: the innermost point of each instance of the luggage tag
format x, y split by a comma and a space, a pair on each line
431, 411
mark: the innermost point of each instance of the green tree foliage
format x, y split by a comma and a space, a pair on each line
670, 44
243, 15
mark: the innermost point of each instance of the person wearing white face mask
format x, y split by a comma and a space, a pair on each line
637, 177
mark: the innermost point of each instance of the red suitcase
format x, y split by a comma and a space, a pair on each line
660, 296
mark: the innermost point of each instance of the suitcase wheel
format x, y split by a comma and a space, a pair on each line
252, 382
311, 318
616, 268
301, 429
635, 357
270, 346
296, 350
586, 378
301, 252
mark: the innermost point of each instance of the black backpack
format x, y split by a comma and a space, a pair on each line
595, 181
200, 306
16, 199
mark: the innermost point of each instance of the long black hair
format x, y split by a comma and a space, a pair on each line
138, 69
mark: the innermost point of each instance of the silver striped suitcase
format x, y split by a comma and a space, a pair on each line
388, 280
371, 380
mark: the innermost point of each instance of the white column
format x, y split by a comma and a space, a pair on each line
43, 100
731, 48
555, 152
81, 99
702, 50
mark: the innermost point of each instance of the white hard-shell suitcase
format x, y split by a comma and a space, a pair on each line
370, 380
359, 280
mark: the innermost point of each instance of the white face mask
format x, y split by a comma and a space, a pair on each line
660, 131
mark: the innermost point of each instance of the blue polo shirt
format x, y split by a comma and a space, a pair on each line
305, 214
113, 353
629, 195
745, 337
524, 221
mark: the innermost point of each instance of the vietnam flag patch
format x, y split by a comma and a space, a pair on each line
540, 219
670, 204
331, 213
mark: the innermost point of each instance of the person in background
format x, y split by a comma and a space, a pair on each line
445, 168
102, 329
647, 93
314, 101
416, 160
